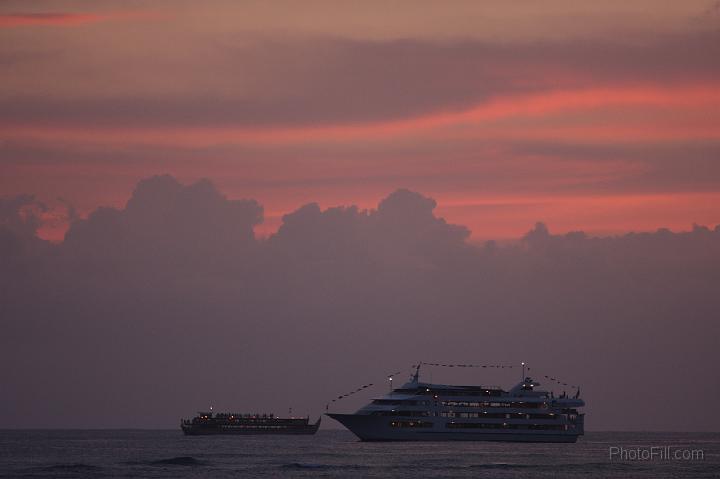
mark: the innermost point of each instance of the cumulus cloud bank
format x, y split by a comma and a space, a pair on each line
146, 313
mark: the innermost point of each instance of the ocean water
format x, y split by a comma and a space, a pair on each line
169, 454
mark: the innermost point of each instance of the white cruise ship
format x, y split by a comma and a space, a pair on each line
420, 411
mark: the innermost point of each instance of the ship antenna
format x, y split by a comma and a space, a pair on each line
416, 376
523, 372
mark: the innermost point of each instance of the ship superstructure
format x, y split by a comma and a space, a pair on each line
436, 412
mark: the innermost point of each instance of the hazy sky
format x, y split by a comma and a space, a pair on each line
600, 116
269, 205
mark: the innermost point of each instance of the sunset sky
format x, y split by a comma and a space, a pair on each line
279, 201
599, 116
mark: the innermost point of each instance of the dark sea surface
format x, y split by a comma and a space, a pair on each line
169, 454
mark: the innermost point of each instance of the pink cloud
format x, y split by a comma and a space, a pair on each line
63, 19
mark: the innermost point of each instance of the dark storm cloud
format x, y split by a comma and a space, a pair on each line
676, 167
19, 214
164, 219
20, 218
287, 82
318, 80
402, 228
148, 312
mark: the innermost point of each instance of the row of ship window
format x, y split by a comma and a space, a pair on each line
253, 426
532, 405
253, 416
412, 402
451, 392
518, 415
476, 425
260, 420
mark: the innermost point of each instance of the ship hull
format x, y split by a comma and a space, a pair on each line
246, 430
238, 432
377, 428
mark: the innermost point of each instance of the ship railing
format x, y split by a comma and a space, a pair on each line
459, 391
480, 388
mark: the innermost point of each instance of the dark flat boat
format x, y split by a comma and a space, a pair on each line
207, 423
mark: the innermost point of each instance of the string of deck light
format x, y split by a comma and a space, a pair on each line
343, 396
365, 386
500, 366
557, 381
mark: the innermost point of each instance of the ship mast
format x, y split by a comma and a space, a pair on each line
415, 377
